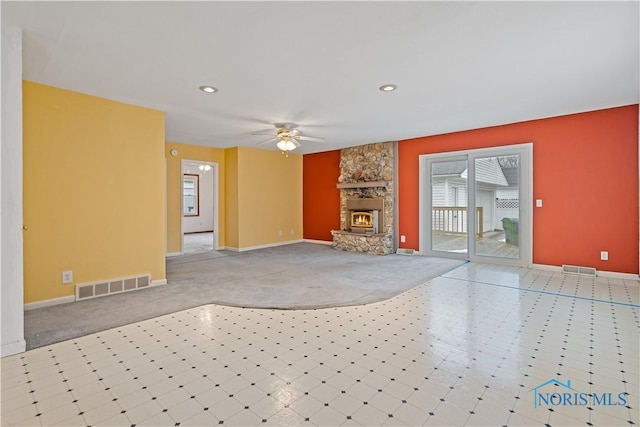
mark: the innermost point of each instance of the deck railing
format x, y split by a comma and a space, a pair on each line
453, 219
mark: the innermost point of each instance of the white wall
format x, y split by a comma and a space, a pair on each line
204, 221
11, 275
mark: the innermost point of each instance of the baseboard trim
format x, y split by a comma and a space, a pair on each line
546, 267
268, 245
318, 242
601, 273
158, 282
616, 275
15, 347
49, 302
172, 254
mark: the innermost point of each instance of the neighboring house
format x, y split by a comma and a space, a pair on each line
449, 190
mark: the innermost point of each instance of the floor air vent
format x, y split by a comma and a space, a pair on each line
110, 287
574, 269
405, 251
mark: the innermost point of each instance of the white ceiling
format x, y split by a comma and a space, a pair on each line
458, 65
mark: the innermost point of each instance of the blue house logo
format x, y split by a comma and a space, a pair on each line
546, 398
564, 395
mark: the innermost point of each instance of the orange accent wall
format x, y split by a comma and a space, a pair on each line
320, 197
585, 168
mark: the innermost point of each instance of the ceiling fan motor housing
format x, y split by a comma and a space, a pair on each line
287, 134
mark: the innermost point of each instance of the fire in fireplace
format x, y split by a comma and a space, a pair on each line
362, 219
365, 221
365, 216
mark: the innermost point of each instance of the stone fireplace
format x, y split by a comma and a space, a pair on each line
366, 199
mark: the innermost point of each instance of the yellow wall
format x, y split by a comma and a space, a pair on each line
268, 194
94, 190
99, 202
174, 189
231, 225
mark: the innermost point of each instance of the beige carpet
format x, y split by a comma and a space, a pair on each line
298, 276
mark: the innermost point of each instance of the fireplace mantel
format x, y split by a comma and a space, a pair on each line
368, 184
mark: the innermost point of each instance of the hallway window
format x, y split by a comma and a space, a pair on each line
190, 199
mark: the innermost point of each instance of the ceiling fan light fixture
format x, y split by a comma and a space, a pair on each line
388, 88
286, 145
208, 89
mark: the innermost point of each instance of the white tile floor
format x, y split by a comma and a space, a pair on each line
464, 349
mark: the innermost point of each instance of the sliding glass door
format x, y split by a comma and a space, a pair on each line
477, 205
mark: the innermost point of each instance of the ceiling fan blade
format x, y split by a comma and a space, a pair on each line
263, 132
310, 138
268, 140
286, 131
286, 125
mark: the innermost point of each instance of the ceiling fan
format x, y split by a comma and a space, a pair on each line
287, 135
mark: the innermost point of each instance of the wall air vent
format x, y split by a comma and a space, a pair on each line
110, 287
574, 269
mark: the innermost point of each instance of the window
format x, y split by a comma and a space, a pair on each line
190, 199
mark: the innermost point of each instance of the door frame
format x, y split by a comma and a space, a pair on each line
216, 205
525, 150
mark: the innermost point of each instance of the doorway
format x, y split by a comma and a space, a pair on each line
199, 206
477, 205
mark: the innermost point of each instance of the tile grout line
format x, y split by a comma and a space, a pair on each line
540, 292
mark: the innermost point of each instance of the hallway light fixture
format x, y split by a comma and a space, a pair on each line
205, 168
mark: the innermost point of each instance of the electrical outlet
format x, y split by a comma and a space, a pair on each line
604, 255
67, 276
291, 232
279, 232
538, 203
403, 239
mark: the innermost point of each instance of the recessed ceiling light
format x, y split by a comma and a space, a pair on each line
208, 89
388, 88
